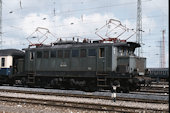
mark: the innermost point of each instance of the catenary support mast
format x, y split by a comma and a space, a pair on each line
139, 27
0, 24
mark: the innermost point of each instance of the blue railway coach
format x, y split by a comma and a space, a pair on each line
159, 73
9, 59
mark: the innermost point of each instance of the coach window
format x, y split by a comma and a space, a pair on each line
75, 53
3, 62
101, 52
60, 54
53, 54
91, 52
46, 54
39, 54
66, 53
83, 53
32, 54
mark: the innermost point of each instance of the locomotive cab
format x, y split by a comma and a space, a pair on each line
128, 62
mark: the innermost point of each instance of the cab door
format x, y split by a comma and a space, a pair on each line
101, 59
32, 65
18, 65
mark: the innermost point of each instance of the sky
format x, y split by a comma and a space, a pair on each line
81, 19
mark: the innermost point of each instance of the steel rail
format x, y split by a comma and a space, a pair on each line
79, 105
86, 96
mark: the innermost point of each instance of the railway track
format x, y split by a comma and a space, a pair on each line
161, 87
160, 83
135, 97
83, 104
157, 87
155, 91
150, 89
89, 106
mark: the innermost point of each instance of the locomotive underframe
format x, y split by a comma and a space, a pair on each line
88, 81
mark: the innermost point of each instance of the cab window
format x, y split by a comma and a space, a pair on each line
101, 52
32, 54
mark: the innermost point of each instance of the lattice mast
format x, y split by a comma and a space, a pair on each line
162, 51
1, 24
139, 27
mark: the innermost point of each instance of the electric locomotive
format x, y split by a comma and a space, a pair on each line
84, 65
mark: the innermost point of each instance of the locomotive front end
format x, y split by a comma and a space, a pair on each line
127, 61
130, 65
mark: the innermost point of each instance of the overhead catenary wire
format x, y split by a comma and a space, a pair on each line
89, 9
98, 7
77, 10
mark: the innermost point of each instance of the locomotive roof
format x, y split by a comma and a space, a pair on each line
71, 45
11, 52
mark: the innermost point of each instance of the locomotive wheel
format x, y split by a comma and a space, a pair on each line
122, 90
11, 82
54, 83
23, 81
116, 83
126, 90
71, 82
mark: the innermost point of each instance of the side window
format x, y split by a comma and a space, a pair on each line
3, 62
53, 54
46, 54
120, 51
39, 54
101, 52
83, 53
66, 53
75, 53
114, 50
91, 52
60, 54
32, 55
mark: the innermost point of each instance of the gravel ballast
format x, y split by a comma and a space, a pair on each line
87, 100
108, 94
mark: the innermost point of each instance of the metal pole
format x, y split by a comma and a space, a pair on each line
139, 26
163, 49
1, 24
